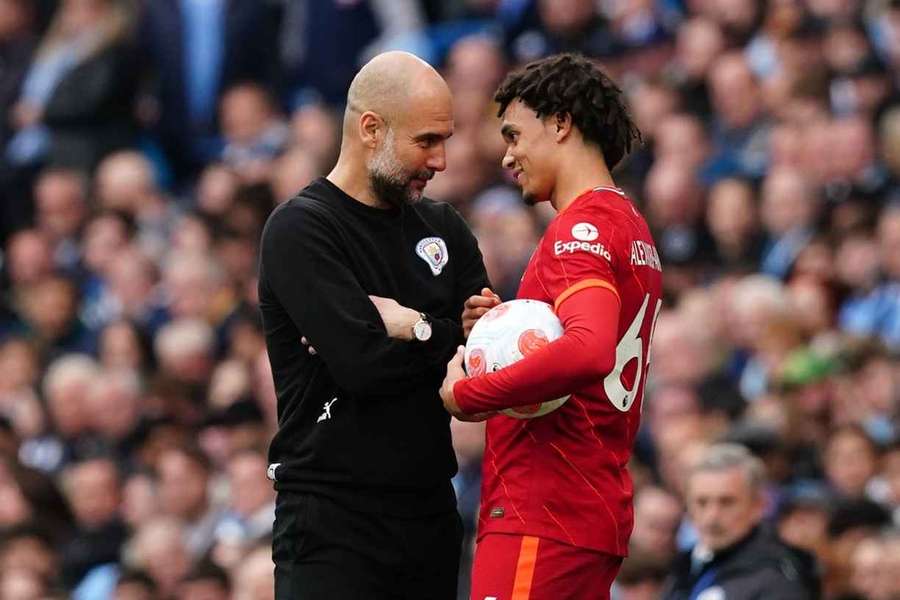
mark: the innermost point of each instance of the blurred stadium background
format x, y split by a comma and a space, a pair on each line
143, 144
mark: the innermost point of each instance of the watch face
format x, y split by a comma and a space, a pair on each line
422, 331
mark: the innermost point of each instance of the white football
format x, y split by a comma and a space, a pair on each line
507, 333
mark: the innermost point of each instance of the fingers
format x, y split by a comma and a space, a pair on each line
490, 293
455, 366
457, 359
482, 301
470, 317
476, 313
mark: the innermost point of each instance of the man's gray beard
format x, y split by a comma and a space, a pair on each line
387, 178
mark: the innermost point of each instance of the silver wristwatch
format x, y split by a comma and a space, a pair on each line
421, 329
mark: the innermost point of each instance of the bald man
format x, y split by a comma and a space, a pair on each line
372, 277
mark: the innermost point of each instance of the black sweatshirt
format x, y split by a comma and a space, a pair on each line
361, 422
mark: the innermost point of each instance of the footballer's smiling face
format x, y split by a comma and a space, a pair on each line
530, 145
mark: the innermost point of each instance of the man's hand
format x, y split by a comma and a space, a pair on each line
398, 320
455, 372
475, 307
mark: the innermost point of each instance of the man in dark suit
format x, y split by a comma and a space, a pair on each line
736, 556
196, 50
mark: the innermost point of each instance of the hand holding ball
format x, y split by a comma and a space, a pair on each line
506, 334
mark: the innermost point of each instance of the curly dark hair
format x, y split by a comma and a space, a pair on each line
571, 84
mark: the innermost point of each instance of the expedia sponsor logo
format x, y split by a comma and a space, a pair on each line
574, 246
585, 232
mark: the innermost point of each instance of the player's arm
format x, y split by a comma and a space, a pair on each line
582, 355
309, 274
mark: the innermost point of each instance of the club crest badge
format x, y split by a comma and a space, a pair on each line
433, 250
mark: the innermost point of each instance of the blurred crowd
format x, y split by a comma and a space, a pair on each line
143, 144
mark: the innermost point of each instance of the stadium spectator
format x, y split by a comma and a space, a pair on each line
127, 181
184, 494
77, 99
657, 516
253, 578
194, 51
30, 495
254, 132
17, 42
292, 172
251, 511
803, 517
204, 582
29, 258
30, 549
158, 548
850, 460
60, 198
114, 408
321, 45
788, 213
316, 128
740, 129
698, 43
65, 389
475, 64
641, 578
134, 585
733, 223
734, 554
94, 493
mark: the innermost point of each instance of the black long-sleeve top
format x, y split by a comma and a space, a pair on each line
361, 421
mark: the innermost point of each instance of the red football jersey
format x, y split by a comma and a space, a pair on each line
564, 475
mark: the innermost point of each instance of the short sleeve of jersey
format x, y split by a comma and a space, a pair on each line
578, 251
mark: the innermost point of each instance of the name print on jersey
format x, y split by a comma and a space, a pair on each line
645, 254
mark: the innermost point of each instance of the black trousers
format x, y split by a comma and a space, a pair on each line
324, 551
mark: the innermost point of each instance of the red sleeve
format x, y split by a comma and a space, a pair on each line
585, 352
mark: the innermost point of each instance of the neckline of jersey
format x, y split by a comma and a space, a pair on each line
599, 188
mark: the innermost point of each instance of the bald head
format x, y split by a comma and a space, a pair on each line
399, 114
387, 83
